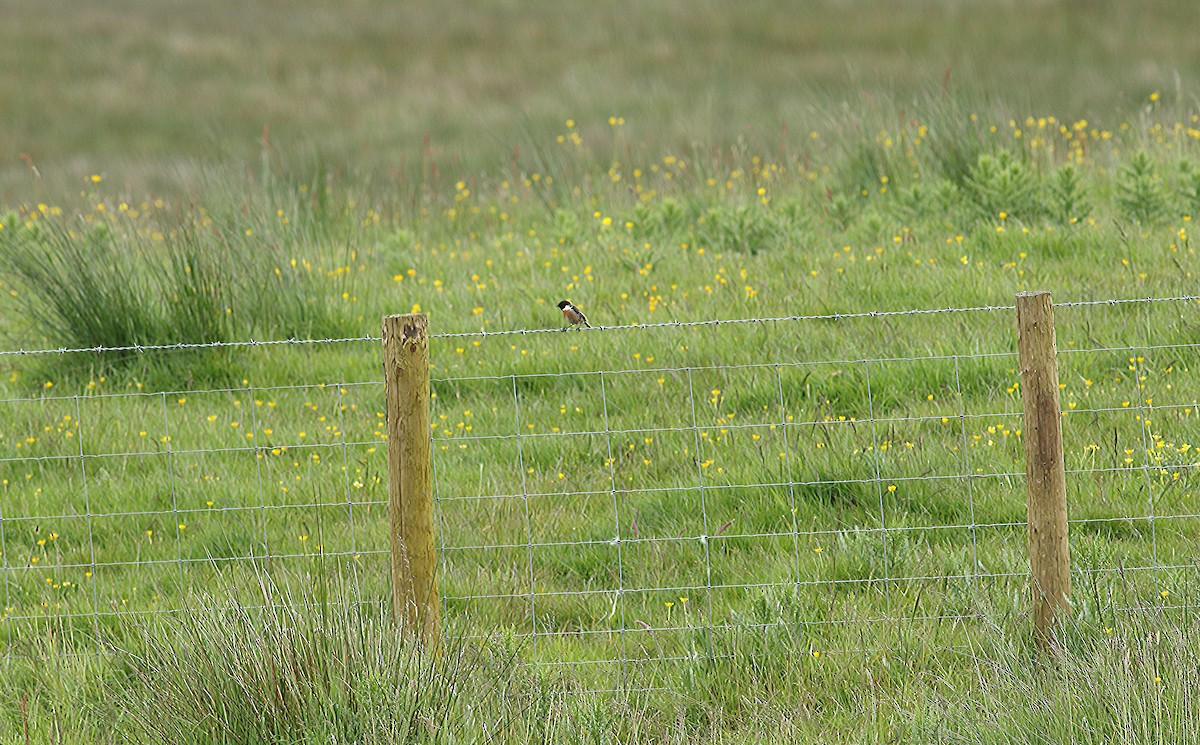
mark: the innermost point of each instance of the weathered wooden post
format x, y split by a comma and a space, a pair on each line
410, 483
1045, 470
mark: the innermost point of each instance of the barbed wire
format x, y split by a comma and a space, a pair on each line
482, 333
544, 551
806, 317
724, 322
141, 348
1127, 301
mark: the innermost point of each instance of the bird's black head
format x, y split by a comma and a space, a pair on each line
564, 304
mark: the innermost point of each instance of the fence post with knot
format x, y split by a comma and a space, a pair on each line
1045, 470
410, 476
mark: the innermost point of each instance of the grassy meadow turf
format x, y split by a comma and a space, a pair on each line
143, 91
791, 496
821, 522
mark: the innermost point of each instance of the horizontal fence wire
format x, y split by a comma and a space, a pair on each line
177, 346
626, 519
140, 348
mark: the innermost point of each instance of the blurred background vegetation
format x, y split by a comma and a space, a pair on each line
146, 91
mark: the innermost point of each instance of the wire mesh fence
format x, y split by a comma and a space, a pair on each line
812, 476
122, 503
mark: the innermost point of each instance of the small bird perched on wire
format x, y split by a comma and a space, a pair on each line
573, 315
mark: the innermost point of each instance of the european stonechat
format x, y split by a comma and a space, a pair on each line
573, 315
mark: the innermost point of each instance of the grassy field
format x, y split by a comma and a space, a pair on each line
808, 528
148, 93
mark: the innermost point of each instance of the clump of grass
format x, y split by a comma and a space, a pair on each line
85, 286
1131, 681
213, 276
311, 668
895, 142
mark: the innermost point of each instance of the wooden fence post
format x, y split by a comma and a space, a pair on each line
1045, 471
410, 483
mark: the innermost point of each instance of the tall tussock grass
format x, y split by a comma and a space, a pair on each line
309, 667
84, 287
314, 665
210, 276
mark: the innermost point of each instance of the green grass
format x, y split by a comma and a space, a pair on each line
214, 569
417, 95
317, 666
758, 437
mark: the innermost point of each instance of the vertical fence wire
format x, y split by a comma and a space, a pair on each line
967, 472
262, 499
174, 498
1147, 447
1147, 341
87, 507
618, 596
791, 481
439, 519
706, 536
528, 518
41, 471
1146, 434
79, 471
887, 587
718, 497
7, 568
349, 494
